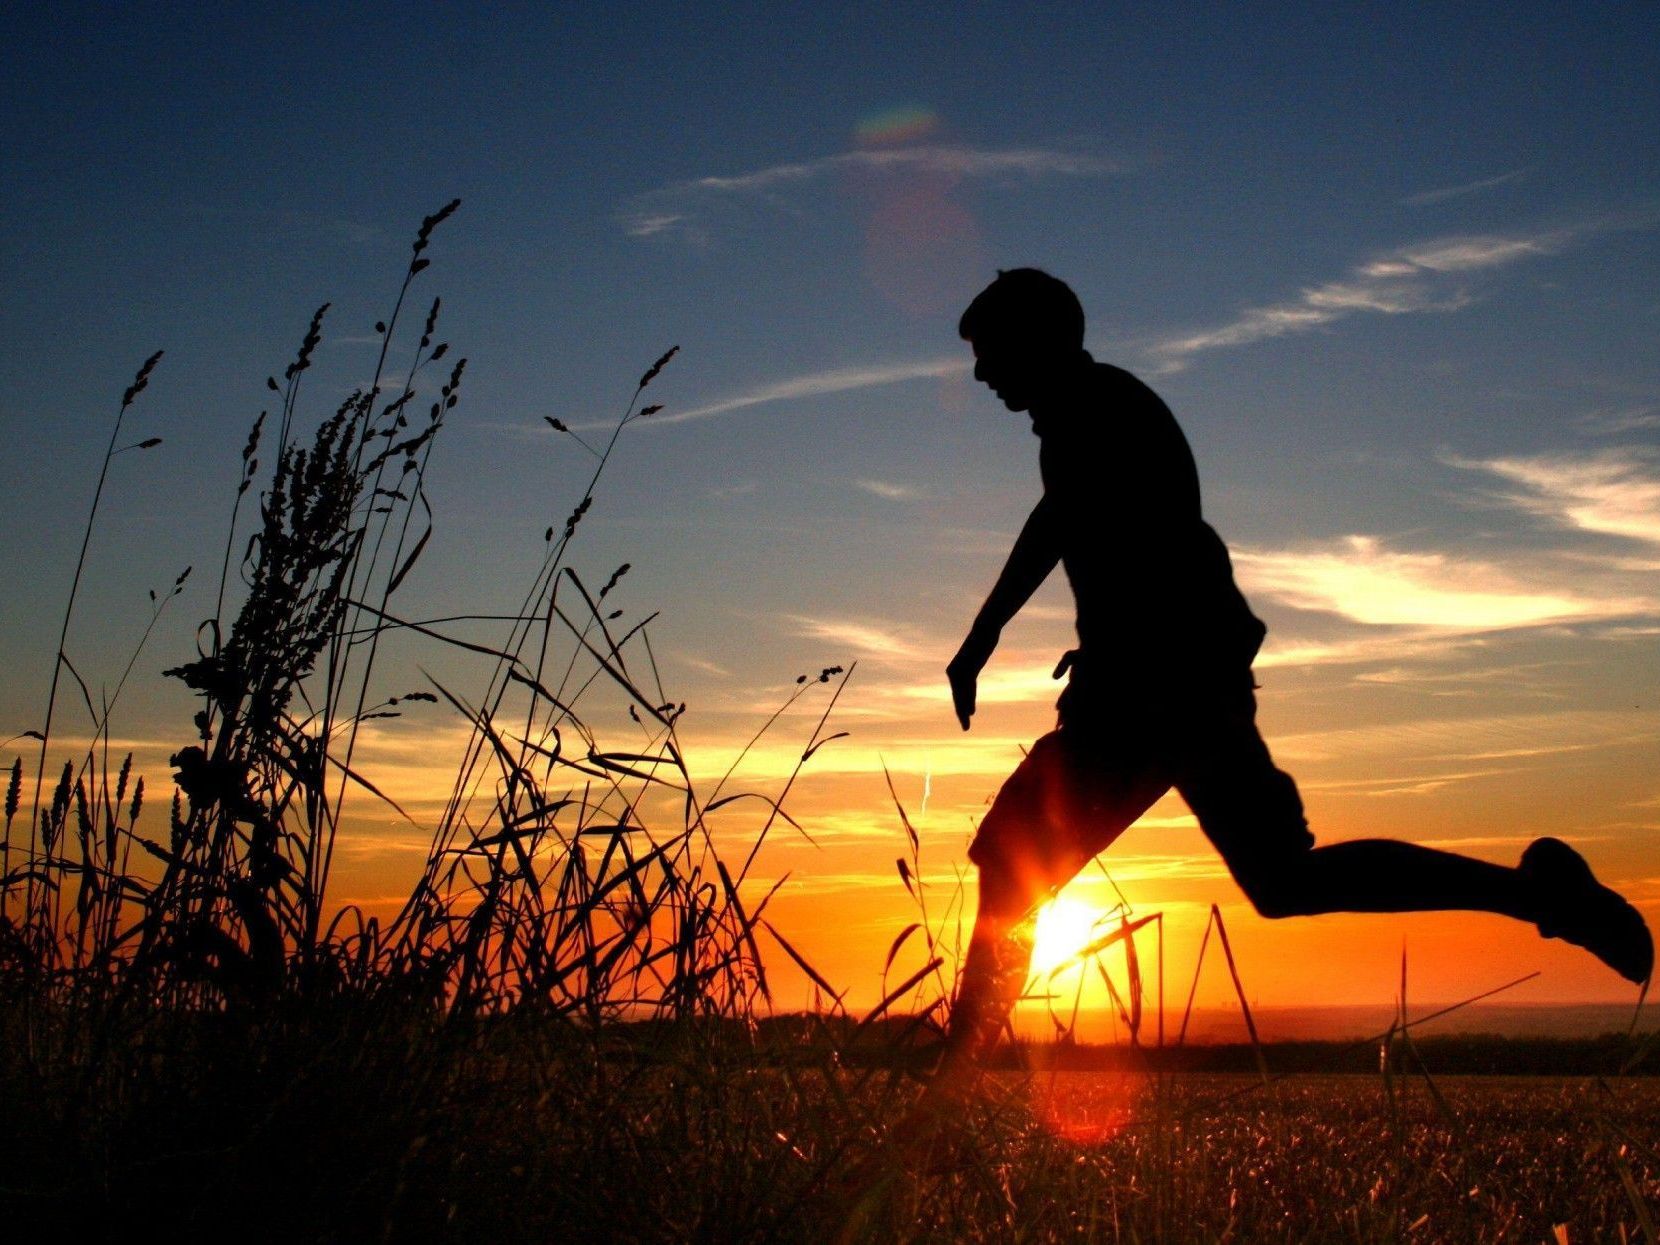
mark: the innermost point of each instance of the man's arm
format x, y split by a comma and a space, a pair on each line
1035, 552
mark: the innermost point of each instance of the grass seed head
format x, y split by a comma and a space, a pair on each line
651, 372
121, 778
14, 789
141, 380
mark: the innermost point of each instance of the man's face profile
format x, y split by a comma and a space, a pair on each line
1013, 368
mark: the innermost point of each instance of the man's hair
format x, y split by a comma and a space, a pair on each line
1028, 303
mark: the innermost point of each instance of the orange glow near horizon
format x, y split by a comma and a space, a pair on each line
1382, 757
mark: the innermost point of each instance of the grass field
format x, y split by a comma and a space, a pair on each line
364, 1124
563, 1033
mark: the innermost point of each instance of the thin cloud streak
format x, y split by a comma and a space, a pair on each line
866, 639
1416, 644
889, 490
955, 161
812, 385
1411, 279
671, 209
1468, 254
646, 224
1366, 582
998, 684
1441, 194
1462, 740
818, 883
1614, 493
1615, 423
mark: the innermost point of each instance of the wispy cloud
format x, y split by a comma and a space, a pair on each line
1412, 645
1001, 683
818, 882
1425, 277
1466, 254
864, 639
742, 488
1621, 420
644, 224
1361, 579
1541, 679
889, 490
1464, 842
816, 385
1443, 193
952, 160
705, 665
1614, 493
676, 207
1389, 755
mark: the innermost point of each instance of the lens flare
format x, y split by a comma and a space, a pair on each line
896, 127
1085, 1108
922, 244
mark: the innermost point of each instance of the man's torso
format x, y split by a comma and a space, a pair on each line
1156, 599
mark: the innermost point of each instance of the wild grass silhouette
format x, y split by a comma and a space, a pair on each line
565, 1030
544, 881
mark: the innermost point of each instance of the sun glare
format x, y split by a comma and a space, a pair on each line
1064, 928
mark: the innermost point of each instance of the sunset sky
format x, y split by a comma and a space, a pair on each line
1396, 270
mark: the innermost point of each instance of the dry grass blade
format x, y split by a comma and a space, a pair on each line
1239, 992
898, 992
1388, 1036
898, 942
1198, 967
805, 966
1639, 1204
1448, 1116
904, 819
1126, 930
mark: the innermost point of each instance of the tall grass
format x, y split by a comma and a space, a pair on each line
552, 877
563, 1031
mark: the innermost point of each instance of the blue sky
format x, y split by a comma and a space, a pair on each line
1394, 269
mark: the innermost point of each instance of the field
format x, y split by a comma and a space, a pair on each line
361, 1125
565, 1032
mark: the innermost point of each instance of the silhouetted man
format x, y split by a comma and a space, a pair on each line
1160, 693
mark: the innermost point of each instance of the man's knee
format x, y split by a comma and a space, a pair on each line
1273, 900
1278, 887
1010, 888
1023, 846
1257, 822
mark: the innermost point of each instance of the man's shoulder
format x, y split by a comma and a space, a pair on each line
1105, 404
1121, 384
1113, 398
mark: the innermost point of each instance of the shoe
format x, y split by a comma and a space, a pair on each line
1576, 908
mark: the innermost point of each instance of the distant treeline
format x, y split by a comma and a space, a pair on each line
897, 1041
1476, 1054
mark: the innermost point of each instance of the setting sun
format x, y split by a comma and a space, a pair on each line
1064, 928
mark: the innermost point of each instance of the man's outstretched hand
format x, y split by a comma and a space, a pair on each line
964, 672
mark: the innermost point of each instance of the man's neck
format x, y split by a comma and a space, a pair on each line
1057, 405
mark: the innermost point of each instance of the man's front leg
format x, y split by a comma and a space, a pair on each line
994, 972
1023, 852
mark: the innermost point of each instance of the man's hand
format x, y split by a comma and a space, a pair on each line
964, 671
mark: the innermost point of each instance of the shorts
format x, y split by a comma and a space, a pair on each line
1114, 753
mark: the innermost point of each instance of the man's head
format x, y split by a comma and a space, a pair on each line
1027, 330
